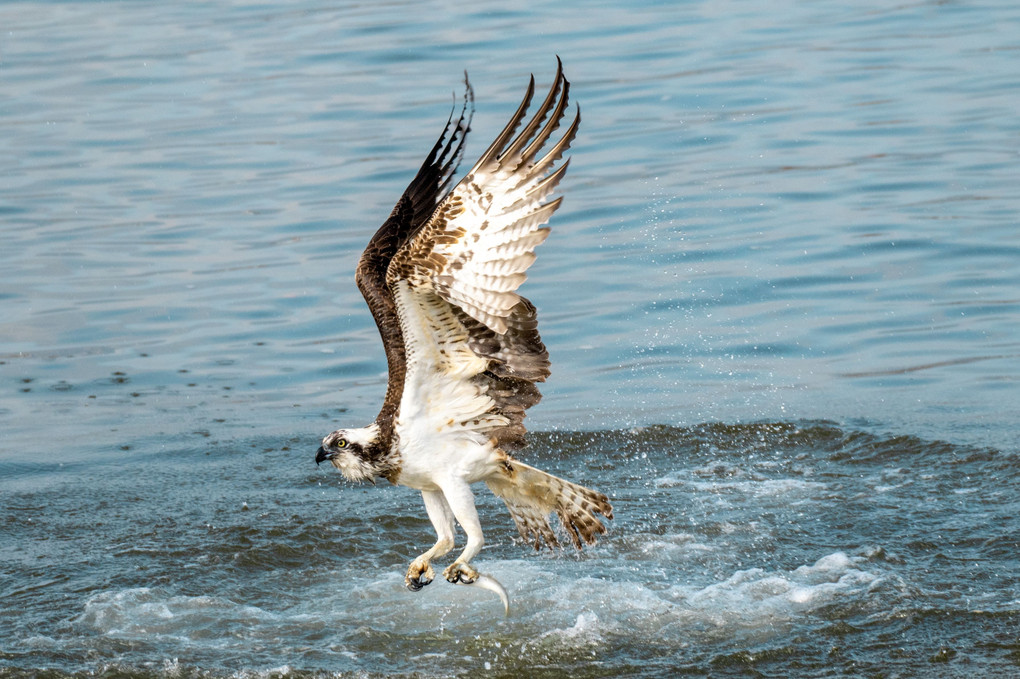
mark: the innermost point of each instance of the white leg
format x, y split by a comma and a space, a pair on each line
442, 518
461, 501
420, 572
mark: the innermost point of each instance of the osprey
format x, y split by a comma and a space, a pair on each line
462, 347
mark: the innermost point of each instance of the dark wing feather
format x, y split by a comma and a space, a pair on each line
413, 209
475, 249
518, 359
477, 246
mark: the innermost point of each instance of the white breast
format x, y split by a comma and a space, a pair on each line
443, 411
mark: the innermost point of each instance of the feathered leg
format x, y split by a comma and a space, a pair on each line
462, 502
420, 572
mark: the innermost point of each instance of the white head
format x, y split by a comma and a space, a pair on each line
355, 452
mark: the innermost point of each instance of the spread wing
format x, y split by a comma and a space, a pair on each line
413, 209
455, 279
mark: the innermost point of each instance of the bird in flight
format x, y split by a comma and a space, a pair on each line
462, 347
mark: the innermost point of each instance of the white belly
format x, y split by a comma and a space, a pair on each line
426, 465
438, 433
444, 414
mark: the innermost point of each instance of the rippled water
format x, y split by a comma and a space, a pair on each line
781, 299
774, 548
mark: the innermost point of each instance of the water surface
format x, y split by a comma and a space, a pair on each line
781, 299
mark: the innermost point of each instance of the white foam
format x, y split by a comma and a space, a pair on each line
146, 611
585, 632
762, 601
764, 487
558, 605
737, 481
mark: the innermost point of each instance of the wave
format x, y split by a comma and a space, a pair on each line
762, 544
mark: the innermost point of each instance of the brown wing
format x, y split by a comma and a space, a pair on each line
518, 359
475, 249
413, 209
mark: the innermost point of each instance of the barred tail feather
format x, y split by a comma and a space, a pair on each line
532, 495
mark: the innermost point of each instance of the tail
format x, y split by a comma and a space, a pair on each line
531, 495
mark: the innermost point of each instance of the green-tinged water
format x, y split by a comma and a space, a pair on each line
780, 296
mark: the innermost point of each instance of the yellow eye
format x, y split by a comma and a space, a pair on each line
342, 443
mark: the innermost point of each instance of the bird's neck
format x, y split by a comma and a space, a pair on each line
382, 454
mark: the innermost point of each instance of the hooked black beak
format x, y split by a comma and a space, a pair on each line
321, 455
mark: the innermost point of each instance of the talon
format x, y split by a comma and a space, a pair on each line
415, 584
418, 575
460, 573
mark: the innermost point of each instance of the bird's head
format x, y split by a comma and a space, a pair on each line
352, 451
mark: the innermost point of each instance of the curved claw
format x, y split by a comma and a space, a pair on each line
414, 584
418, 575
491, 584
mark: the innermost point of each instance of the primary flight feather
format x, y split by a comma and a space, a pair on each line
462, 346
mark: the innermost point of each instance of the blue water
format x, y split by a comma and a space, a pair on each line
782, 300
